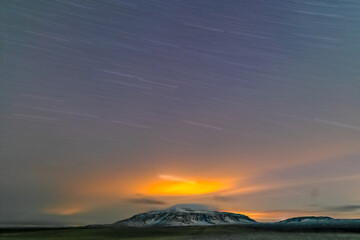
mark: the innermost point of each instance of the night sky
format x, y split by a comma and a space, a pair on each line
110, 108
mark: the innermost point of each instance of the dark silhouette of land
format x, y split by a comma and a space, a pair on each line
262, 231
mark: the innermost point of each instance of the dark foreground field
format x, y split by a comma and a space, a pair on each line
211, 233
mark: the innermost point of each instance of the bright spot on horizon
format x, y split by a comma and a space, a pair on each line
172, 185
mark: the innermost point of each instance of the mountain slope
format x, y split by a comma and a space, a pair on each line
183, 216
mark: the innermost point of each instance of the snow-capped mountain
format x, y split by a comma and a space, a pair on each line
310, 220
183, 216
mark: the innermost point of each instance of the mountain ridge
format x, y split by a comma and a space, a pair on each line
198, 215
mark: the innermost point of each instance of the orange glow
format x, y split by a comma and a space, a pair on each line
171, 185
64, 211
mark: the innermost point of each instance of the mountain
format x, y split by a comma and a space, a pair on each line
310, 220
183, 216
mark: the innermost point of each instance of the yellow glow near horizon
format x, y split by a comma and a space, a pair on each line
171, 185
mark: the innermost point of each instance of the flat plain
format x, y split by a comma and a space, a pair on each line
179, 233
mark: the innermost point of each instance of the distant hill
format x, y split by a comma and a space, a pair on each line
310, 219
322, 222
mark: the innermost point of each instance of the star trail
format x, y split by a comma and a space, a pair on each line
247, 106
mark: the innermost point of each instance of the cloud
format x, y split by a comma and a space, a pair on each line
148, 201
225, 198
174, 178
343, 208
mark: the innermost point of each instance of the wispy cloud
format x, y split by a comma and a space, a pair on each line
221, 198
174, 178
148, 201
343, 208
